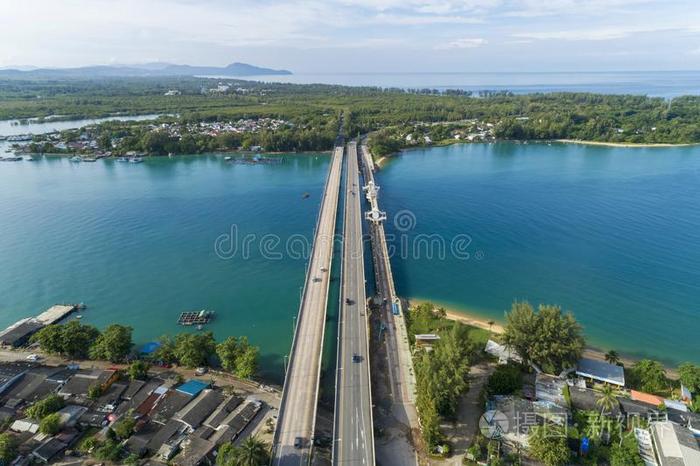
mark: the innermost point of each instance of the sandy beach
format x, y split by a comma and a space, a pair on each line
620, 144
497, 328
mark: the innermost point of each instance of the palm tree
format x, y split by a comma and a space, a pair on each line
612, 357
490, 322
253, 452
607, 400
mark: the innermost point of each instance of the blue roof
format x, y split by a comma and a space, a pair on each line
192, 387
149, 348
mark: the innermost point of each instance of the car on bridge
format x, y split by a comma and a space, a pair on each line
356, 358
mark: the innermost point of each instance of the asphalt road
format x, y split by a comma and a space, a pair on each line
399, 364
353, 430
295, 426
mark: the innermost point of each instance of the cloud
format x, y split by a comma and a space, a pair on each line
464, 43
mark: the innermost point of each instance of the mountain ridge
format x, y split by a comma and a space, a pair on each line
149, 69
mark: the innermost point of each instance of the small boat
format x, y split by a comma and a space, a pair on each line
228, 158
79, 317
76, 158
29, 158
10, 158
306, 196
89, 159
122, 159
135, 160
81, 306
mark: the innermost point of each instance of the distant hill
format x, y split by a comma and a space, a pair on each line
150, 69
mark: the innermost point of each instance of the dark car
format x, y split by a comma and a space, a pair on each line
348, 301
356, 358
298, 442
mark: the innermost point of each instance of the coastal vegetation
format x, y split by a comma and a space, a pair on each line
83, 341
441, 374
546, 337
397, 117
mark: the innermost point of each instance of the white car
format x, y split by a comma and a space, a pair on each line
33, 357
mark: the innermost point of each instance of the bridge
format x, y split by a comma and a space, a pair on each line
399, 362
352, 429
294, 435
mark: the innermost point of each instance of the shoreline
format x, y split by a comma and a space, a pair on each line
474, 320
630, 145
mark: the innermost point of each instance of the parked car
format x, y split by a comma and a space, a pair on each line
201, 371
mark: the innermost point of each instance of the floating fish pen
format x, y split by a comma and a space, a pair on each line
257, 160
195, 318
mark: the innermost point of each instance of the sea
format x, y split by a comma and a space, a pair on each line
667, 84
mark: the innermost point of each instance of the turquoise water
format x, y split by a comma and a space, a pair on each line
136, 243
612, 234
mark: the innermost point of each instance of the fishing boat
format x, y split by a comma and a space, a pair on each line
122, 159
305, 196
76, 158
29, 158
228, 158
135, 160
89, 159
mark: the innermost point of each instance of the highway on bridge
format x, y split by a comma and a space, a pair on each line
295, 425
352, 430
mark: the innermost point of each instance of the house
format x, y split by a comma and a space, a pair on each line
25, 425
49, 449
674, 445
10, 374
503, 353
19, 333
193, 451
200, 408
550, 388
601, 371
70, 414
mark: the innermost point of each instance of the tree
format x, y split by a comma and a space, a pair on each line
72, 339
94, 391
247, 363
626, 453
44, 407
548, 444
690, 376
114, 344
612, 357
505, 380
228, 351
607, 400
548, 338
252, 452
8, 448
166, 350
648, 376
51, 424
124, 427
139, 370
193, 350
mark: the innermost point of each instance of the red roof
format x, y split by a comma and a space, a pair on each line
646, 398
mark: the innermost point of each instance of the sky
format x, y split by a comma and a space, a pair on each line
332, 36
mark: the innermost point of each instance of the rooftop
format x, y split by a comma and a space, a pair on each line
601, 371
192, 387
675, 445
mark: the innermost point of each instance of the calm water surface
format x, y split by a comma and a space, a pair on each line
136, 243
612, 234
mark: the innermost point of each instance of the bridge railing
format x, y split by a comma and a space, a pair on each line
285, 387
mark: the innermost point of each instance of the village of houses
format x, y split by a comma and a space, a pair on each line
180, 417
666, 431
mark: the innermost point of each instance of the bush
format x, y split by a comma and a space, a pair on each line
505, 380
44, 407
51, 424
